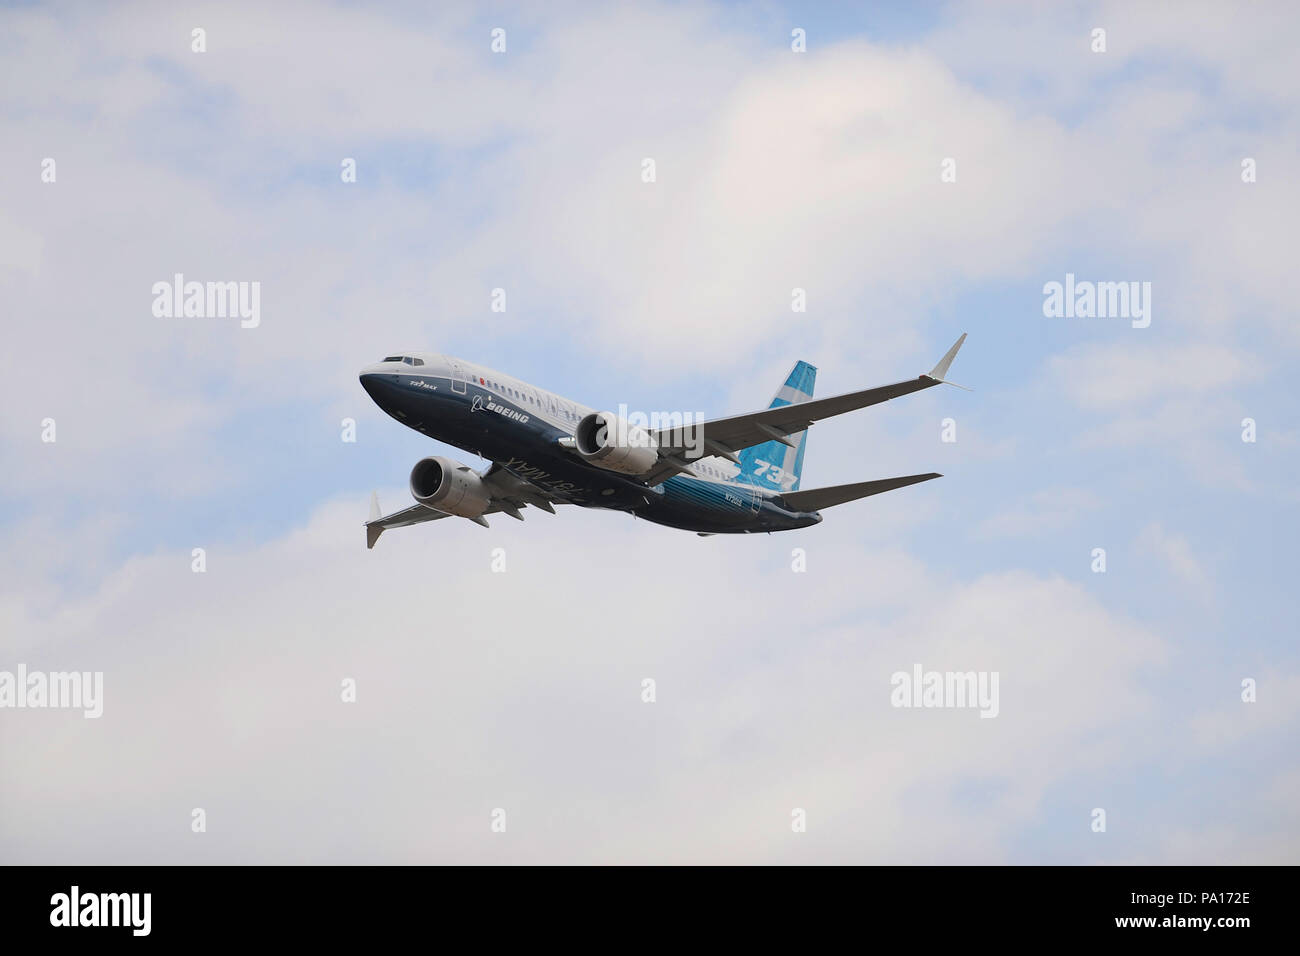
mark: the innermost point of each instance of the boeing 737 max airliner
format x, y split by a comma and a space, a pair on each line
735, 475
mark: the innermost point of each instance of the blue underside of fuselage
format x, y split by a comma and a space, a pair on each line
514, 437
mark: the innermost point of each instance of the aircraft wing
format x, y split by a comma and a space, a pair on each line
726, 436
510, 494
398, 519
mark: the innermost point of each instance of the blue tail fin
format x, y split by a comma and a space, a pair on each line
772, 464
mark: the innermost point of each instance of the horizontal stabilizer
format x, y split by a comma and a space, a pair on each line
815, 499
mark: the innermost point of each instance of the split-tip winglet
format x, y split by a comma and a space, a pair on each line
939, 371
373, 531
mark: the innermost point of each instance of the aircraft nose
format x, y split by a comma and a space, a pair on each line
370, 378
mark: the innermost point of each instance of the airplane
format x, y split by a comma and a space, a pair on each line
734, 475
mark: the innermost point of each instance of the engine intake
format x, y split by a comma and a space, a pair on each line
608, 441
450, 487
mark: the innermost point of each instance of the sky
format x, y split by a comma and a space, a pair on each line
917, 173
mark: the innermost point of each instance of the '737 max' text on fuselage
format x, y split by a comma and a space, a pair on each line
734, 475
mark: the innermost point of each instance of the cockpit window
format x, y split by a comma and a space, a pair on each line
392, 358
405, 359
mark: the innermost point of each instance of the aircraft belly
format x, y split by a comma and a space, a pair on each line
525, 445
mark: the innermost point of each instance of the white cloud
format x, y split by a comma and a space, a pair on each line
1201, 434
1134, 373
522, 690
1275, 709
1047, 511
1179, 556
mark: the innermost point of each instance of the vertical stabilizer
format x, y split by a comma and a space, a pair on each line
777, 464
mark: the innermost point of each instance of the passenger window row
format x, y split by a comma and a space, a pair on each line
557, 408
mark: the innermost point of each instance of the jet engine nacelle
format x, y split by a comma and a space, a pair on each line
450, 487
608, 441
